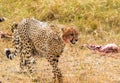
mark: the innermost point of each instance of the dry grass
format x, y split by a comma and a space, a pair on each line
77, 65
98, 22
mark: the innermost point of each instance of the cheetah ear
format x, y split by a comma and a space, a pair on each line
62, 29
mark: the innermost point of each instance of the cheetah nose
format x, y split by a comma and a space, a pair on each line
76, 40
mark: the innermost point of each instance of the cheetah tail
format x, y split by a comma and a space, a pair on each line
8, 54
2, 19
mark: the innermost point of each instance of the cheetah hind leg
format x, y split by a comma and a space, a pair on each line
27, 62
22, 64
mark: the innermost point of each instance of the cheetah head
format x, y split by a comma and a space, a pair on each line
70, 34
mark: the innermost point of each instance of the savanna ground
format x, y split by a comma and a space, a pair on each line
98, 22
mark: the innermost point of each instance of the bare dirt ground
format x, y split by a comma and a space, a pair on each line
77, 65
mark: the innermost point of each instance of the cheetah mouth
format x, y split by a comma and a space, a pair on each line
73, 42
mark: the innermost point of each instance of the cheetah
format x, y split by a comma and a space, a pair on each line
32, 37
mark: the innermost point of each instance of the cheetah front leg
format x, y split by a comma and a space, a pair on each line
56, 71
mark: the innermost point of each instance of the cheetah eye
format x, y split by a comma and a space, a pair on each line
71, 34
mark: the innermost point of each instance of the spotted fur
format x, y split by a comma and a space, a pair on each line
34, 38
